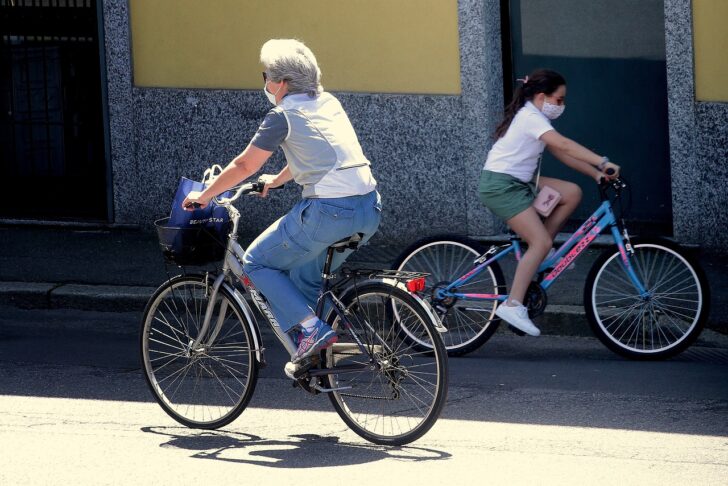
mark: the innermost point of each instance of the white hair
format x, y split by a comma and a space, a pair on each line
290, 60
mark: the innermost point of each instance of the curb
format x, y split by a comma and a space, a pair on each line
113, 298
560, 320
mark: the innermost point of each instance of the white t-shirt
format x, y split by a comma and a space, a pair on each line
517, 152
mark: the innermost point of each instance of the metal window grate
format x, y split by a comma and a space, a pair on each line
51, 120
47, 3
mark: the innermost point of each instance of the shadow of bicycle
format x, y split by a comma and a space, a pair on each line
298, 451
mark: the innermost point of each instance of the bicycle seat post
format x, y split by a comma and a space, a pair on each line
327, 264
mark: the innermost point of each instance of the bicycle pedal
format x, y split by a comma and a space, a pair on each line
297, 370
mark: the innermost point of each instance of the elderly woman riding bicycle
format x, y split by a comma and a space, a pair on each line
323, 156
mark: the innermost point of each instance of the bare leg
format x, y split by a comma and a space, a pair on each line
528, 225
570, 199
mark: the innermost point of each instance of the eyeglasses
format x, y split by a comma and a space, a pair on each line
266, 77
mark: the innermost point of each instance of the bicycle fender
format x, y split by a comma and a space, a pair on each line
252, 323
425, 305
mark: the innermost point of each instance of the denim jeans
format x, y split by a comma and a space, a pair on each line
285, 262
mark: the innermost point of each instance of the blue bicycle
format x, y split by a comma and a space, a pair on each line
645, 298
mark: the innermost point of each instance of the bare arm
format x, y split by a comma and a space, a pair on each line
561, 146
578, 165
557, 142
240, 168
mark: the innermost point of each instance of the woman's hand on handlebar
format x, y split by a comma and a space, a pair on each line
269, 182
194, 200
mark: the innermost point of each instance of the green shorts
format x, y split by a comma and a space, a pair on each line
504, 194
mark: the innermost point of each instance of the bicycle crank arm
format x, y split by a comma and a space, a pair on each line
318, 387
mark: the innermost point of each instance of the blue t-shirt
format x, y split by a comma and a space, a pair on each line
272, 132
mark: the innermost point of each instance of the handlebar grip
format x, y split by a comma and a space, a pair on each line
259, 185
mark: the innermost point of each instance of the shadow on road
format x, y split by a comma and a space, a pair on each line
297, 452
550, 380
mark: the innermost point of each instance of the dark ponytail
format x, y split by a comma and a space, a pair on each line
539, 81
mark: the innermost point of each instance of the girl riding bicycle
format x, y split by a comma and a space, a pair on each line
339, 192
507, 186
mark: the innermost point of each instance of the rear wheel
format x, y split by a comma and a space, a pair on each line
207, 387
659, 324
400, 392
446, 258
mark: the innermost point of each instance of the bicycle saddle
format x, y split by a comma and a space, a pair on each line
348, 243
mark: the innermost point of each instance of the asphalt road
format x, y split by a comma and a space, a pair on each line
74, 409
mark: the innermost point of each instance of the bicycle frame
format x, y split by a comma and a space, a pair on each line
233, 256
602, 218
232, 265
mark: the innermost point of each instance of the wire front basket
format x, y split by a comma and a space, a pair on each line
192, 246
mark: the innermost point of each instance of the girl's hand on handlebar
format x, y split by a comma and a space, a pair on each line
609, 172
195, 200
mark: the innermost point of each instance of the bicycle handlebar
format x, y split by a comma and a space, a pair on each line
617, 184
247, 188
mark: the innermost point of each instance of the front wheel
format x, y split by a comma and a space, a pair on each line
658, 324
470, 323
209, 386
398, 390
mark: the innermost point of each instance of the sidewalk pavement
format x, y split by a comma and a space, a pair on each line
118, 270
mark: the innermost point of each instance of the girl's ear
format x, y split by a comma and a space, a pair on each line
538, 99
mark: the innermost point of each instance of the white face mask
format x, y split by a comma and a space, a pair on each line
552, 111
271, 96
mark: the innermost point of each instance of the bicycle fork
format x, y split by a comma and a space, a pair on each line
196, 346
625, 252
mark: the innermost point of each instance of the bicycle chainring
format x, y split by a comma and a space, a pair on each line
535, 300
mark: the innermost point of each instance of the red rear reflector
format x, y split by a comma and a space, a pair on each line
416, 284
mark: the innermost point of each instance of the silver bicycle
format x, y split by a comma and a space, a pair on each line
201, 346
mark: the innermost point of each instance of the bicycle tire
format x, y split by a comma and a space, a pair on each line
659, 326
447, 257
401, 398
222, 376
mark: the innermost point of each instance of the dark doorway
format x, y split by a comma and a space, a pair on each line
52, 156
612, 54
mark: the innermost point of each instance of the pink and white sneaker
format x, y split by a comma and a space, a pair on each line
320, 337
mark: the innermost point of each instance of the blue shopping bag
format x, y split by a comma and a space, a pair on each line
213, 217
194, 237
182, 218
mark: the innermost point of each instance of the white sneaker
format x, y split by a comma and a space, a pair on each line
517, 316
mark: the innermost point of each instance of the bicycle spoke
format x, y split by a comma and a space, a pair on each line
396, 397
206, 385
655, 322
